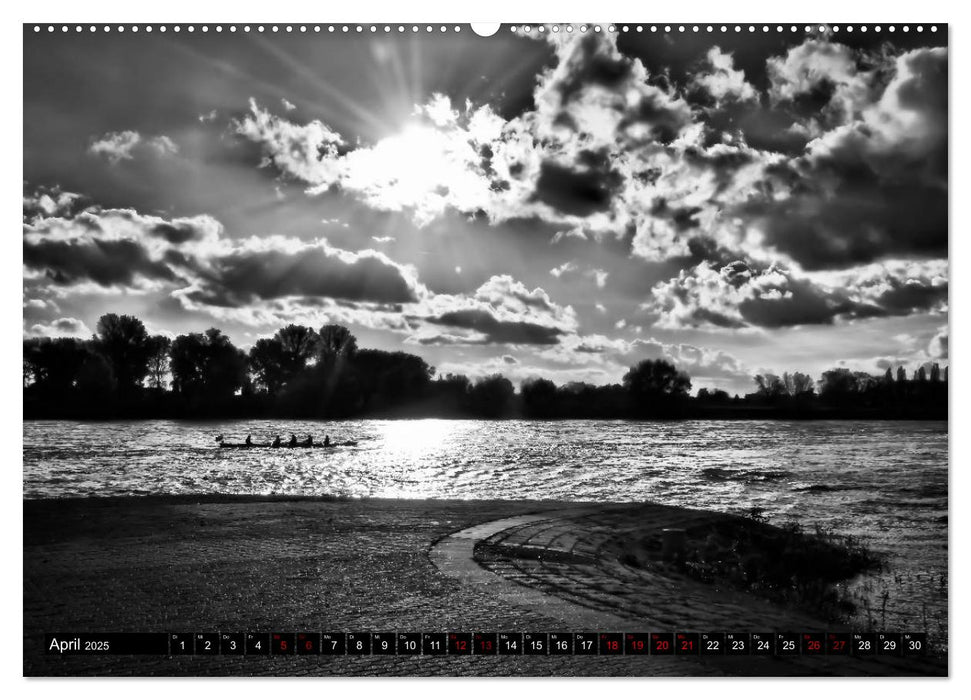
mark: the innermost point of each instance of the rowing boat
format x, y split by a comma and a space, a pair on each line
284, 446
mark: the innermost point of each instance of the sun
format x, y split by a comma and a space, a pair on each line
422, 168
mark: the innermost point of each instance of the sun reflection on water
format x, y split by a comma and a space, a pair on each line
413, 439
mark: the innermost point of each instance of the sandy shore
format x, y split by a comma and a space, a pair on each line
283, 564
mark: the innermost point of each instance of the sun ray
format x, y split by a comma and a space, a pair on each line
352, 106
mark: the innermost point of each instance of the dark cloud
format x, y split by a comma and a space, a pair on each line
867, 220
589, 65
449, 339
120, 247
499, 331
739, 295
104, 262
244, 276
177, 232
801, 303
663, 118
683, 218
579, 192
874, 189
912, 296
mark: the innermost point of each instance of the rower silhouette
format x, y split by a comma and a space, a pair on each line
249, 440
277, 442
326, 440
293, 440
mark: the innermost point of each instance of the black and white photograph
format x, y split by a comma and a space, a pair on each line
591, 349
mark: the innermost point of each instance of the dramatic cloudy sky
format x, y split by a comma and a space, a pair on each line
559, 206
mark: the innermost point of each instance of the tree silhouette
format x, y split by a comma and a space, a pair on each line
306, 373
391, 376
719, 396
770, 386
797, 383
54, 363
491, 396
276, 361
123, 341
266, 362
207, 365
837, 384
334, 345
95, 379
539, 397
159, 347
656, 382
298, 345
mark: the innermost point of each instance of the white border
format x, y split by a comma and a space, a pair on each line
547, 11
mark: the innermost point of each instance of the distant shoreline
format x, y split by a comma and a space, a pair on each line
685, 413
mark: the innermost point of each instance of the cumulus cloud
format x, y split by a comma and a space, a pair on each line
40, 305
49, 201
737, 295
597, 275
826, 78
307, 152
116, 146
194, 259
163, 145
439, 160
872, 188
259, 281
61, 328
269, 268
563, 162
114, 247
721, 81
609, 149
563, 269
850, 172
501, 311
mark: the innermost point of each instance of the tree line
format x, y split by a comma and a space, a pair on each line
123, 371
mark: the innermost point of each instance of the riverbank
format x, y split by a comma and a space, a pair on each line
226, 563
